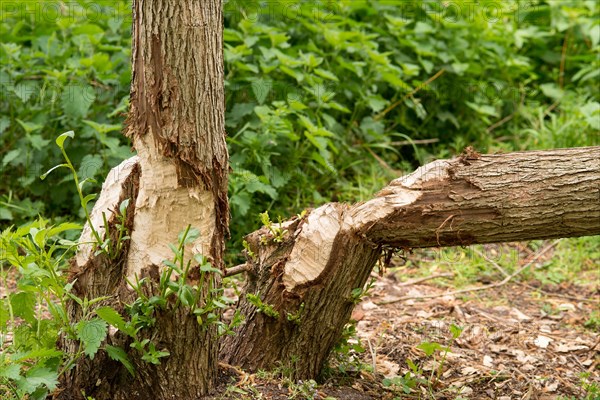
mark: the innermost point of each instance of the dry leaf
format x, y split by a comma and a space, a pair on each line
542, 341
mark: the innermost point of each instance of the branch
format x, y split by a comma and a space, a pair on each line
238, 269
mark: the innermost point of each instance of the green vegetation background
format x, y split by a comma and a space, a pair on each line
325, 100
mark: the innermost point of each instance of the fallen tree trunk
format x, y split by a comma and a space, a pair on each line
301, 291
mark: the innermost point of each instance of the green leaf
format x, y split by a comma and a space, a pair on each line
43, 176
23, 305
429, 348
255, 185
552, 90
61, 139
30, 126
103, 128
90, 165
84, 181
376, 103
239, 111
209, 268
192, 235
38, 377
186, 296
261, 88
11, 155
4, 123
455, 330
43, 353
5, 214
118, 354
91, 334
76, 100
326, 74
89, 198
65, 226
123, 206
483, 109
10, 371
38, 142
111, 316
25, 90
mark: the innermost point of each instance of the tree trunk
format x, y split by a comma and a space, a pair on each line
305, 278
179, 177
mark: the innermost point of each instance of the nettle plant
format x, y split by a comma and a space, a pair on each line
34, 314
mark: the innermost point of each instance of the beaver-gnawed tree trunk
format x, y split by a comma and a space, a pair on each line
179, 178
308, 280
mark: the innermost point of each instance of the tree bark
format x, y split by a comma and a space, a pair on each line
179, 177
305, 277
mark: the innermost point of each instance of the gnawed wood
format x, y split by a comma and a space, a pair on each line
308, 279
115, 189
164, 209
312, 305
494, 198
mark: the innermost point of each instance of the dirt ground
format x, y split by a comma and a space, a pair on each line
521, 341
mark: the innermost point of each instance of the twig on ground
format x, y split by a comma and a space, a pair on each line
475, 289
373, 355
562, 296
426, 278
494, 263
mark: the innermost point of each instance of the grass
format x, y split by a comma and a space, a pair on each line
572, 260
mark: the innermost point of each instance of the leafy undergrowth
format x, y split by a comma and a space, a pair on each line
530, 338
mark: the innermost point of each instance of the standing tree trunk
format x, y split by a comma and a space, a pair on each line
301, 291
179, 178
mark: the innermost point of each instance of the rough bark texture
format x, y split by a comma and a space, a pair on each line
179, 177
493, 198
330, 261
308, 278
177, 125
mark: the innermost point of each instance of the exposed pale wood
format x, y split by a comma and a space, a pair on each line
313, 305
177, 125
114, 190
331, 251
